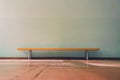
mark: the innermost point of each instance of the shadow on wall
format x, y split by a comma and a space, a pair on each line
56, 54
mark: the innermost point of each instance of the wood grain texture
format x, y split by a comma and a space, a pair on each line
57, 70
89, 49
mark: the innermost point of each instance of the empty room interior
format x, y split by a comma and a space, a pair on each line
59, 40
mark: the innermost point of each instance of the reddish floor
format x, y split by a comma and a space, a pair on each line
59, 70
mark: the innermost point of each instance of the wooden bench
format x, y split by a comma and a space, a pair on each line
58, 49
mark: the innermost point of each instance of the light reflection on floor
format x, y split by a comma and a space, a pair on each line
59, 70
103, 63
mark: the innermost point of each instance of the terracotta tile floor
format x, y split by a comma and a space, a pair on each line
59, 70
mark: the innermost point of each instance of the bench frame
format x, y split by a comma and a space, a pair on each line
58, 49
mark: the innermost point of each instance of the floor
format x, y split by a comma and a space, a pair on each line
59, 70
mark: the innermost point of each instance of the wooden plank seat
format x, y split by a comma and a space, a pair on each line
58, 49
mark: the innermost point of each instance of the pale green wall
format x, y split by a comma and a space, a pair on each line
60, 23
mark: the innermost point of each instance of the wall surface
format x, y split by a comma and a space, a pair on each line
60, 23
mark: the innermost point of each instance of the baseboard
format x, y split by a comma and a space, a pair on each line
66, 58
75, 58
79, 58
13, 57
104, 58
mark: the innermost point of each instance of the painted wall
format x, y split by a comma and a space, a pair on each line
60, 23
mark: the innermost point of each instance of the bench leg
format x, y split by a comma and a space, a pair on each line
86, 54
30, 54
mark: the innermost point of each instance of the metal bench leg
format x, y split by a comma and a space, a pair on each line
86, 54
30, 54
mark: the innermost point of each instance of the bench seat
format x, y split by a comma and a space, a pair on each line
59, 49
